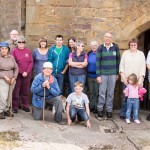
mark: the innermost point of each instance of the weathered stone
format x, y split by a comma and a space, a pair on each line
36, 29
77, 12
90, 12
10, 17
94, 3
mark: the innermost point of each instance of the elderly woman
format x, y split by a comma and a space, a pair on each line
8, 75
23, 57
77, 65
132, 61
92, 83
40, 55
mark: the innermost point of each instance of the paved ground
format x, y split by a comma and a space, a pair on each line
24, 133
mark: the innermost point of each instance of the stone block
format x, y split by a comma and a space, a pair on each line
64, 11
77, 12
78, 34
35, 29
111, 4
33, 14
88, 12
66, 3
94, 4
81, 26
104, 13
81, 3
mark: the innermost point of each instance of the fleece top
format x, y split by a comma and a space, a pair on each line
24, 59
8, 67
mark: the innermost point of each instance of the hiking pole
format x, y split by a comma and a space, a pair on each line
10, 91
44, 105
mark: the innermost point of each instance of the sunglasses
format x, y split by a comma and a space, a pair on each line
21, 42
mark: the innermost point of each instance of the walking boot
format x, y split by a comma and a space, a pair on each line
2, 116
8, 113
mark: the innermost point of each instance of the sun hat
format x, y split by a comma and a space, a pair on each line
5, 44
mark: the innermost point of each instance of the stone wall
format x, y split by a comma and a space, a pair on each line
10, 17
86, 19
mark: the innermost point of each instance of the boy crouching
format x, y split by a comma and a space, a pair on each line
78, 105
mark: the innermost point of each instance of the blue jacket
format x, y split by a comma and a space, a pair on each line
59, 61
91, 64
38, 91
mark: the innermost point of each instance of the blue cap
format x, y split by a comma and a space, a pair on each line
4, 44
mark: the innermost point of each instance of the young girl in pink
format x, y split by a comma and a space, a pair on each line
131, 91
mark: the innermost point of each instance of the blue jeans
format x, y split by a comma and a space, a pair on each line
75, 78
80, 113
60, 80
132, 103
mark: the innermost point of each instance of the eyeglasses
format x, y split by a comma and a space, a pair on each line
81, 45
109, 37
133, 45
21, 42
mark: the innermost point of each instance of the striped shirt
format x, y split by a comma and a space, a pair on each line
107, 60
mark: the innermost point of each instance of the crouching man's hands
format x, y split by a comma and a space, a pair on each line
46, 84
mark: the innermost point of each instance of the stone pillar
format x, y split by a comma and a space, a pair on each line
10, 17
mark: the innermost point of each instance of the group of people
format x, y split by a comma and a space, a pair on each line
100, 67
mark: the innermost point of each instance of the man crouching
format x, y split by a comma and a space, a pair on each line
45, 81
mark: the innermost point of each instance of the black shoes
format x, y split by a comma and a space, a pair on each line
122, 117
61, 123
26, 109
100, 114
8, 113
109, 114
2, 116
148, 117
15, 111
93, 109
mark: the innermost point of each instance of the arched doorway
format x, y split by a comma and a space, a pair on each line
144, 45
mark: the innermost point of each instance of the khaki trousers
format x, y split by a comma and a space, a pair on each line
5, 95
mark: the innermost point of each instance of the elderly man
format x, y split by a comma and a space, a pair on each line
52, 92
13, 39
107, 70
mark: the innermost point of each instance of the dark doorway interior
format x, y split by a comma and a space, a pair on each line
144, 44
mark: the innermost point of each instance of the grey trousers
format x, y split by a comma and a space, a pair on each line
57, 102
106, 93
93, 92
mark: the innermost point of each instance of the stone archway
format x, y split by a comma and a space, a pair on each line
135, 28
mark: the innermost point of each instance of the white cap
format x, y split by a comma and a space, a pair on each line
48, 65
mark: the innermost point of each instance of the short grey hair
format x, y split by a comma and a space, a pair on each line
94, 43
78, 43
21, 38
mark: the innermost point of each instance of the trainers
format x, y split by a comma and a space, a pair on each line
8, 113
61, 123
109, 114
137, 121
26, 109
128, 121
15, 111
2, 116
